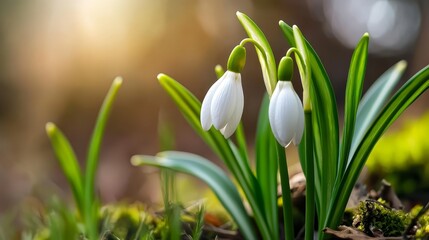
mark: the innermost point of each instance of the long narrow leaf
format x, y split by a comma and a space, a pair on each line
325, 122
190, 107
353, 94
68, 162
93, 156
266, 59
303, 66
241, 143
373, 101
266, 165
209, 173
243, 163
406, 95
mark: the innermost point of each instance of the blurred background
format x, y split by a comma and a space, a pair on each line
58, 59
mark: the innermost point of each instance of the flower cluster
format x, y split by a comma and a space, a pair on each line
223, 104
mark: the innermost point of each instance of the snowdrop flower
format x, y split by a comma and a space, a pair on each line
285, 112
223, 104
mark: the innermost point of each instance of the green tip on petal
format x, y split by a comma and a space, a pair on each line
285, 71
237, 59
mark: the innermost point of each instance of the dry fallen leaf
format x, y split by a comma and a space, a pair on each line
345, 232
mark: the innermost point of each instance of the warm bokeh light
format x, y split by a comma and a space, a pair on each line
58, 59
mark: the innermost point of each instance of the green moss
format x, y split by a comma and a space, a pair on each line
376, 217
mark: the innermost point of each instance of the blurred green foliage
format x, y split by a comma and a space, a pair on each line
402, 157
56, 220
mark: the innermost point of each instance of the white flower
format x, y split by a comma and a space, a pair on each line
223, 104
286, 114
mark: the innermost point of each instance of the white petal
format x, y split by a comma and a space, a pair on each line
272, 112
222, 108
205, 116
283, 113
233, 122
300, 124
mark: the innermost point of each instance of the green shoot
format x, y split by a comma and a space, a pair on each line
83, 185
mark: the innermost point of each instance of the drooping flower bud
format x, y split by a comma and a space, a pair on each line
237, 59
223, 104
285, 71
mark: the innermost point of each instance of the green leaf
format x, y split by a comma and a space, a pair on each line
373, 101
212, 175
68, 162
353, 94
325, 123
310, 212
93, 157
241, 143
190, 108
406, 95
303, 66
266, 59
266, 165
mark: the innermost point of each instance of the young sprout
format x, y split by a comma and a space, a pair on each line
223, 104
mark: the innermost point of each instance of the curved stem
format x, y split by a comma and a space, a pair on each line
304, 69
286, 195
255, 43
297, 54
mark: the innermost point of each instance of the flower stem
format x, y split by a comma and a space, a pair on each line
297, 54
255, 43
286, 194
309, 164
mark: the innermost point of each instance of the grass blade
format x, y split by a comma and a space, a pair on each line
212, 175
68, 162
373, 101
197, 232
93, 157
266, 59
354, 86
